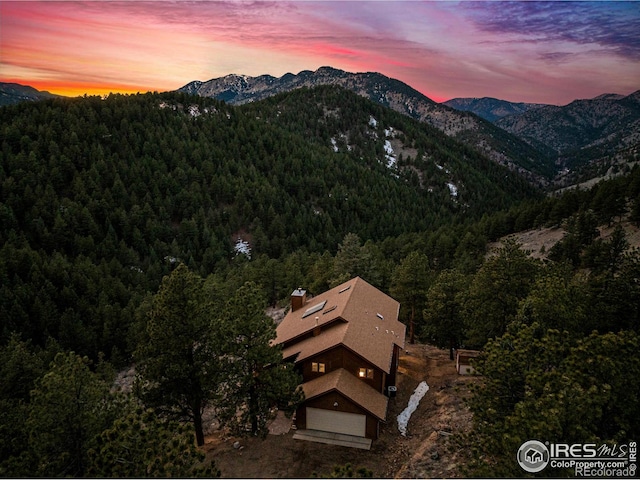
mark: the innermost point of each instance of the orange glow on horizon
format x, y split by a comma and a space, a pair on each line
442, 49
78, 89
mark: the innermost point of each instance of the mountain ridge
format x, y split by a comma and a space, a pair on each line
585, 133
13, 93
501, 147
490, 108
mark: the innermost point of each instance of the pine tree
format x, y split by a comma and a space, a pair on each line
496, 291
444, 324
409, 286
66, 412
258, 381
181, 347
141, 444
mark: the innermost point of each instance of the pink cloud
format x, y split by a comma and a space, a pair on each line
441, 48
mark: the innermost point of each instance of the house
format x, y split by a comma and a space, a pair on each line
345, 343
463, 361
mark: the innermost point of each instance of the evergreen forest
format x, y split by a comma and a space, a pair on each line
137, 225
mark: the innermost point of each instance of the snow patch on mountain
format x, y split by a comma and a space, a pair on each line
342, 138
390, 154
193, 110
242, 247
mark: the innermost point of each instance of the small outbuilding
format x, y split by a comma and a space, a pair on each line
464, 361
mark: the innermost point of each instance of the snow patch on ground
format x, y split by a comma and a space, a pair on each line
373, 122
335, 145
414, 401
453, 189
242, 247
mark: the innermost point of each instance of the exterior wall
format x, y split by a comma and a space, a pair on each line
332, 359
391, 378
465, 369
344, 405
341, 357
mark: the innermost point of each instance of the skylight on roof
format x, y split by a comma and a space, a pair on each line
314, 309
330, 309
345, 289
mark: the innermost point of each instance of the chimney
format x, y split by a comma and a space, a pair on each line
298, 299
317, 328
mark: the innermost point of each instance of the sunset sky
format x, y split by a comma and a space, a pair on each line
545, 52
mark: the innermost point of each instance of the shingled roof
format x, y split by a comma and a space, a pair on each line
359, 392
361, 317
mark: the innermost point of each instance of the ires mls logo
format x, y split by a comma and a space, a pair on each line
585, 459
533, 456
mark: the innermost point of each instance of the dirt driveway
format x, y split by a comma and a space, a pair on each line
426, 451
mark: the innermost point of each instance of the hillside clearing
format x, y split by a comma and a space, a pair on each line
540, 240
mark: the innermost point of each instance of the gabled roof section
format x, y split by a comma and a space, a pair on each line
371, 327
354, 389
310, 346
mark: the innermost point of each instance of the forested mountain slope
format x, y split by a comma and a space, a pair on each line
100, 197
500, 146
580, 124
12, 93
119, 217
491, 109
585, 131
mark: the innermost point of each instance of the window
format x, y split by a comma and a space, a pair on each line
317, 367
330, 309
366, 373
314, 309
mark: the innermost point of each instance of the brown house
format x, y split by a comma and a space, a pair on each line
345, 343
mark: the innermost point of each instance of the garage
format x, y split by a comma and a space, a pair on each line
337, 422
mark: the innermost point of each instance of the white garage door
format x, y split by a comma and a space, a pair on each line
337, 422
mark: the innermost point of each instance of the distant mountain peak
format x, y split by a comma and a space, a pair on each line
396, 95
329, 70
609, 96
